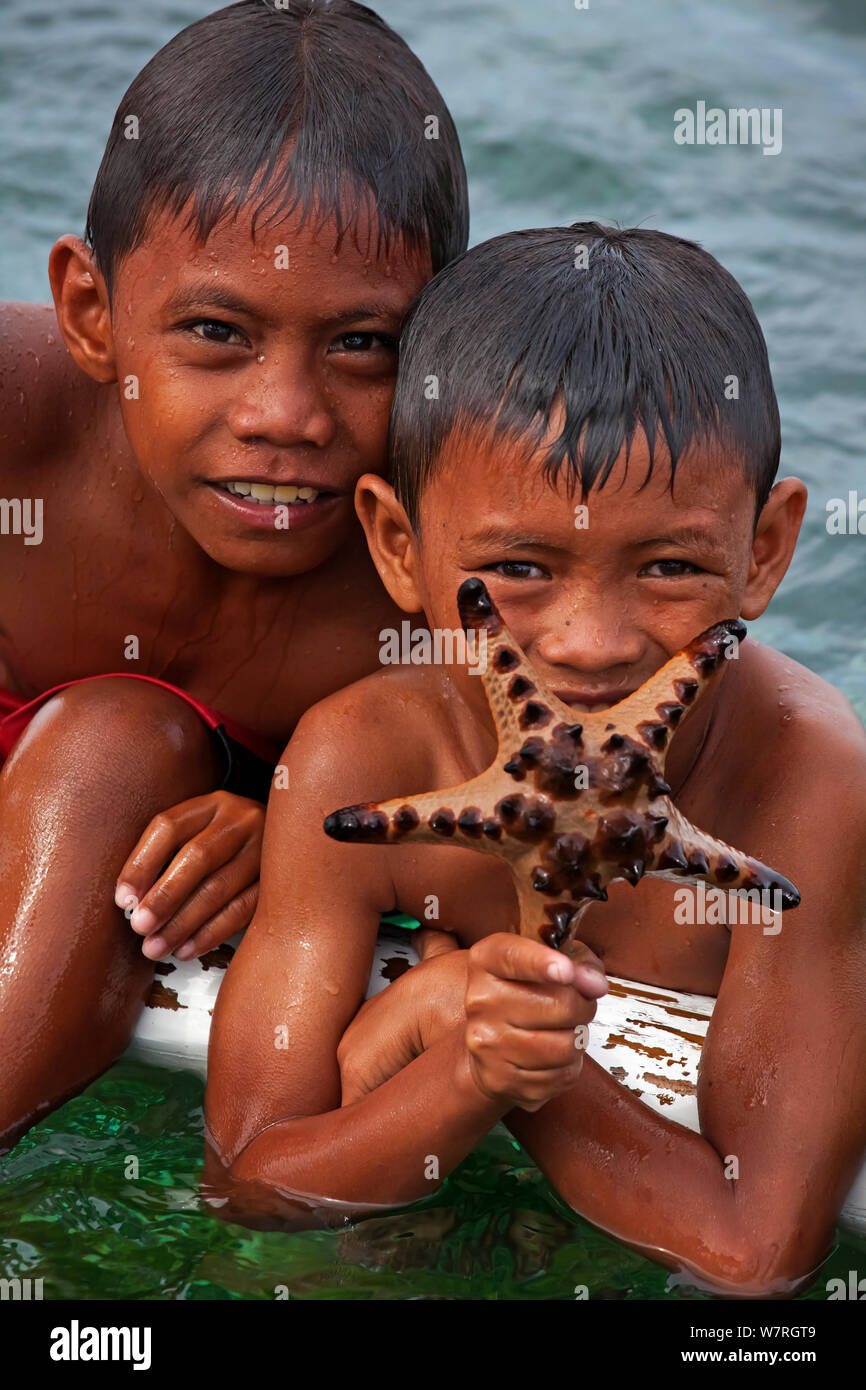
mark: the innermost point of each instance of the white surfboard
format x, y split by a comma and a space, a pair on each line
648, 1038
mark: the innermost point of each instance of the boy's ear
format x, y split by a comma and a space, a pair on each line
82, 306
773, 545
391, 540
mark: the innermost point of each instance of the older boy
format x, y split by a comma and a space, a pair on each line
574, 366
267, 208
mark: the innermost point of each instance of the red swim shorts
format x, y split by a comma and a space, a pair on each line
249, 758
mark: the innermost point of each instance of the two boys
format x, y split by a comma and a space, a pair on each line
246, 285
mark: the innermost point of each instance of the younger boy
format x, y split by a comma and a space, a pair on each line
579, 366
267, 208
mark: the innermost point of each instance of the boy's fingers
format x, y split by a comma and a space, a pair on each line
208, 898
195, 865
234, 917
527, 1006
430, 942
589, 972
513, 957
165, 834
527, 1050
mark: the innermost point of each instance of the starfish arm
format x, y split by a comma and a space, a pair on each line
468, 815
520, 703
689, 855
654, 710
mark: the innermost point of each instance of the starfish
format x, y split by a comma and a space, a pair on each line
571, 807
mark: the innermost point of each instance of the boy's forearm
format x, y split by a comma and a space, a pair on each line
646, 1180
390, 1148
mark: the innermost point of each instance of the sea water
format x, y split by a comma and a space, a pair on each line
565, 114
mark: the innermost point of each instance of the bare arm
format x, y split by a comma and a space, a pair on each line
273, 1105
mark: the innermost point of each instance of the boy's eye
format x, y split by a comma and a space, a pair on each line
518, 569
363, 342
214, 331
669, 569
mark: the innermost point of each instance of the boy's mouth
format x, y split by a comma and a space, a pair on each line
585, 701
257, 502
273, 494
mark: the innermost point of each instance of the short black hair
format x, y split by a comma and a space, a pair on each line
296, 103
621, 327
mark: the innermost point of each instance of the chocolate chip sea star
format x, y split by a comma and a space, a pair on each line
572, 806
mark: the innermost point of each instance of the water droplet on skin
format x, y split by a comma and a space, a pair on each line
261, 357
51, 340
331, 988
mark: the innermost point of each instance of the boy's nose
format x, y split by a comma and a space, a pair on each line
591, 636
283, 402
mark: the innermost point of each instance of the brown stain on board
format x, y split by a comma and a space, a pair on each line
682, 1088
161, 997
685, 1013
622, 993
696, 1038
393, 968
220, 957
614, 1038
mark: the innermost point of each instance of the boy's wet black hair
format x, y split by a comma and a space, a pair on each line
325, 91
624, 328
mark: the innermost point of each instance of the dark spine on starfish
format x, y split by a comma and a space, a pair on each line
476, 607
707, 651
624, 767
520, 688
525, 817
364, 824
554, 931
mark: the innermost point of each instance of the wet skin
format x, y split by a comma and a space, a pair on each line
773, 761
214, 365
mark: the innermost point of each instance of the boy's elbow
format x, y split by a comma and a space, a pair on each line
235, 1195
772, 1265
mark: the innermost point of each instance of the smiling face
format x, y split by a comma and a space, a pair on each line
600, 595
265, 378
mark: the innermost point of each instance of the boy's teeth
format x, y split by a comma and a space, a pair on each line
267, 495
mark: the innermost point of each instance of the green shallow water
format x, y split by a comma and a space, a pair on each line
495, 1230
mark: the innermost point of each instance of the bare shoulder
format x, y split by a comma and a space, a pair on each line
803, 717
44, 396
802, 761
372, 740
